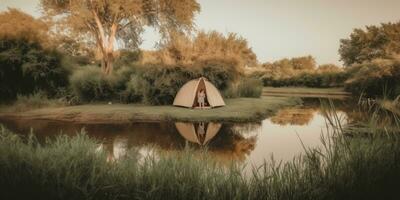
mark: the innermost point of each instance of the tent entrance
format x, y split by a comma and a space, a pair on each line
201, 86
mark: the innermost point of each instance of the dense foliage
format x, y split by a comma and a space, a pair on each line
181, 49
301, 71
101, 24
152, 83
247, 87
17, 25
374, 42
320, 80
28, 63
27, 67
372, 59
379, 77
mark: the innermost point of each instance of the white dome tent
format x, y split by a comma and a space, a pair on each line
187, 95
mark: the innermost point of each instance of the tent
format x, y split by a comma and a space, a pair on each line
187, 95
192, 132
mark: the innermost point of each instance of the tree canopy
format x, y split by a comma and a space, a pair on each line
106, 23
15, 24
374, 42
289, 67
181, 49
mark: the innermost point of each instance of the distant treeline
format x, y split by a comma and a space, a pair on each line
301, 71
371, 65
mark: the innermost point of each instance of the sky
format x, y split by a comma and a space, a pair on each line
277, 29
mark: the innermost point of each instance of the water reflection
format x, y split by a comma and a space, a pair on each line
225, 142
200, 133
294, 116
249, 143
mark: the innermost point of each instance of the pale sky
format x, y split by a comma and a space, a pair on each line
277, 29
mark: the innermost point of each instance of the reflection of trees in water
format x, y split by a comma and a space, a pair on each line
230, 144
304, 114
344, 105
231, 141
383, 114
245, 128
293, 116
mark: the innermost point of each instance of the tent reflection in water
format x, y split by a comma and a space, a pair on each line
187, 95
200, 133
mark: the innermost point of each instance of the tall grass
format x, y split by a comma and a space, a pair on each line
247, 87
75, 168
34, 101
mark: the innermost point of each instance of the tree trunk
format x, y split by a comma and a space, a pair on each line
105, 44
107, 63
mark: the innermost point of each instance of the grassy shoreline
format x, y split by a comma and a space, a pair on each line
75, 168
335, 93
236, 110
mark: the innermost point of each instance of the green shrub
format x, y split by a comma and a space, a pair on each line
134, 90
36, 100
221, 72
151, 84
127, 58
26, 67
161, 83
90, 84
380, 77
249, 87
319, 80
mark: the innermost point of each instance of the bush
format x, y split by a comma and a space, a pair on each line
159, 84
247, 87
26, 67
134, 91
36, 100
152, 84
250, 88
127, 57
90, 84
319, 80
221, 72
380, 77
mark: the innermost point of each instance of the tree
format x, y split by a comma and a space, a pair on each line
329, 68
105, 23
305, 63
286, 68
28, 61
207, 46
15, 24
374, 42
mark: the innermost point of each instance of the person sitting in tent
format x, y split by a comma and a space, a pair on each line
201, 96
201, 132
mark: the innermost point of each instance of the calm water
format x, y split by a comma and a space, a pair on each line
250, 143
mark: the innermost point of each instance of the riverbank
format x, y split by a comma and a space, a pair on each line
333, 93
236, 110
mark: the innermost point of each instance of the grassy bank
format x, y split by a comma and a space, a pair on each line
236, 110
74, 168
305, 92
